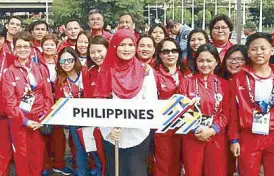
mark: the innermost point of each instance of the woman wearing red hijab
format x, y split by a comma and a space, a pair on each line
124, 77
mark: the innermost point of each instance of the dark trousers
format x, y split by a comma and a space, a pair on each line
132, 161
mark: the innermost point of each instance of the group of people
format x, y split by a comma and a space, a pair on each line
234, 84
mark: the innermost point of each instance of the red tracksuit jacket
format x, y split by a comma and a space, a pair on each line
241, 105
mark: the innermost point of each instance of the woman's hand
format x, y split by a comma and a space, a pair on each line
33, 125
204, 133
115, 134
235, 149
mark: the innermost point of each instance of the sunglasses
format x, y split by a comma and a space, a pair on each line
167, 51
66, 60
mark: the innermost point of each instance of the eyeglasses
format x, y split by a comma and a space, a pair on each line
66, 60
167, 51
236, 59
22, 47
220, 27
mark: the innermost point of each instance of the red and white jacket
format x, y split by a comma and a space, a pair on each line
65, 44
6, 59
241, 105
90, 78
224, 49
207, 93
13, 86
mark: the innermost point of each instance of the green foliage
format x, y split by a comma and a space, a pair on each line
223, 10
200, 18
64, 10
178, 15
268, 7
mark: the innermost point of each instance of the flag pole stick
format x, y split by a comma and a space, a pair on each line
116, 158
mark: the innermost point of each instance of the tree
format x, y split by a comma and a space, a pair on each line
268, 15
64, 10
200, 17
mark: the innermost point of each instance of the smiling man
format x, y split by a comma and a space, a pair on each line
73, 28
13, 26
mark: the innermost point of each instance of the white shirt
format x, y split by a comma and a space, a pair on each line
263, 88
52, 72
130, 137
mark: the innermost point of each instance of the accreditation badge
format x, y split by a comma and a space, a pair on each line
261, 123
206, 121
27, 102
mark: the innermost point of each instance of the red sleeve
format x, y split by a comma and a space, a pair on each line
183, 87
222, 117
234, 123
47, 90
10, 100
86, 83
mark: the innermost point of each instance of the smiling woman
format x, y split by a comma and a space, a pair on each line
235, 58
208, 142
27, 97
221, 28
122, 76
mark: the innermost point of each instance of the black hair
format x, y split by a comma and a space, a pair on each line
190, 58
100, 40
212, 50
258, 35
87, 34
131, 16
73, 20
159, 61
242, 48
160, 26
224, 18
35, 23
146, 36
16, 17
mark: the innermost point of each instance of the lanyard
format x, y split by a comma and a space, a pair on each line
2, 65
217, 101
28, 72
270, 103
70, 88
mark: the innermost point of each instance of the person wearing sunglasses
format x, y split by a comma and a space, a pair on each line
205, 148
221, 28
27, 97
55, 143
169, 71
69, 84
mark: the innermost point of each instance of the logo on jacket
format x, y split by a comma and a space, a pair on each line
241, 87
